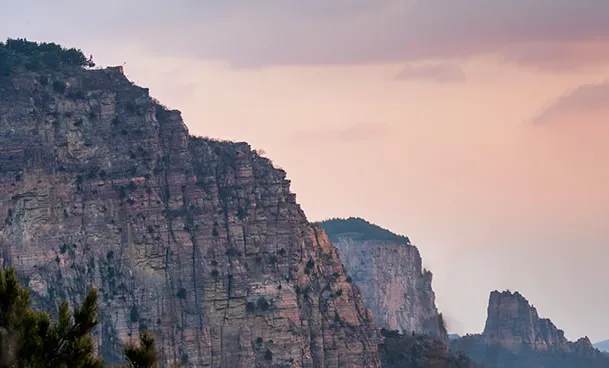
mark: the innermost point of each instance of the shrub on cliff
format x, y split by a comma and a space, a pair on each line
30, 338
15, 53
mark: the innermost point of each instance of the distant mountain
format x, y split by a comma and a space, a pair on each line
516, 337
388, 271
602, 346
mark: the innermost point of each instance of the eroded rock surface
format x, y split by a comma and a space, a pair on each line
200, 241
513, 323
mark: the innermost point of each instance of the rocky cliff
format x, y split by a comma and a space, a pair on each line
515, 336
513, 323
388, 271
200, 241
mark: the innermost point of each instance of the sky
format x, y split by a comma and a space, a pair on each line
479, 128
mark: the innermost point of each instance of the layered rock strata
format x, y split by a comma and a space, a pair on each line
200, 241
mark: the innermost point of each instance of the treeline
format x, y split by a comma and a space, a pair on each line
365, 230
34, 56
419, 351
30, 338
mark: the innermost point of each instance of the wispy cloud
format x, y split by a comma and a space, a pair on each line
437, 73
583, 99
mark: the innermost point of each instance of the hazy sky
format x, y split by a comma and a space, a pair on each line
479, 128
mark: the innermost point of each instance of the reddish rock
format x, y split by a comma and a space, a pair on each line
198, 240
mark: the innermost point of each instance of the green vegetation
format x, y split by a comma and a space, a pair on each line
35, 56
144, 355
262, 304
134, 315
30, 338
419, 351
359, 229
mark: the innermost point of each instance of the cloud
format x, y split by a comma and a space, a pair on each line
590, 98
437, 73
353, 133
245, 33
558, 56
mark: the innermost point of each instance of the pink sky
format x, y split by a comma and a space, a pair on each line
481, 131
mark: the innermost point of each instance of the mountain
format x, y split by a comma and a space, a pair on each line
199, 241
388, 271
516, 337
602, 346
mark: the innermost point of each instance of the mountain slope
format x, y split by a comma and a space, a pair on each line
602, 346
200, 241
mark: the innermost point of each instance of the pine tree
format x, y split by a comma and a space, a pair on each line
144, 355
31, 339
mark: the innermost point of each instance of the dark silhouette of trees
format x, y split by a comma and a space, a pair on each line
360, 229
35, 56
29, 338
144, 355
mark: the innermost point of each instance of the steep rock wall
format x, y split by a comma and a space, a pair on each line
197, 240
513, 323
388, 271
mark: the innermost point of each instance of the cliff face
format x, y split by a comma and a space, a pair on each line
515, 336
200, 241
388, 271
513, 323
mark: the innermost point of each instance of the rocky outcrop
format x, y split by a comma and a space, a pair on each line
388, 271
515, 336
200, 241
513, 323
